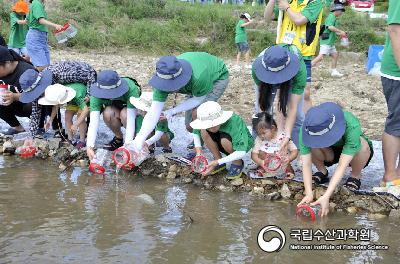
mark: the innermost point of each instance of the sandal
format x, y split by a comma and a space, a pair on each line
60, 134
167, 150
218, 169
289, 172
114, 144
390, 183
320, 178
11, 131
235, 172
353, 184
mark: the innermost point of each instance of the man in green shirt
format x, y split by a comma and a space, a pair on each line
332, 136
241, 39
199, 75
111, 95
18, 28
328, 39
390, 72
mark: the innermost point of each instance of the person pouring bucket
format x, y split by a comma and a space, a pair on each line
111, 95
162, 132
199, 75
222, 132
280, 71
331, 136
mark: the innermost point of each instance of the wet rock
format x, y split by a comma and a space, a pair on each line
147, 172
187, 180
161, 175
171, 175
273, 196
145, 198
74, 152
247, 187
299, 196
377, 216
161, 158
224, 188
237, 182
332, 206
395, 213
8, 148
54, 143
40, 144
319, 191
164, 164
351, 210
172, 168
285, 192
62, 167
345, 192
267, 182
258, 190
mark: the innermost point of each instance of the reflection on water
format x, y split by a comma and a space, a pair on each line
73, 217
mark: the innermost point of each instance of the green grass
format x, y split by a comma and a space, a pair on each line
169, 26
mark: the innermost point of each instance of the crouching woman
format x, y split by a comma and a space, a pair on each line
331, 136
222, 132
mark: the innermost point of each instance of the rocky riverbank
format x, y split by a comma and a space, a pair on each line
271, 189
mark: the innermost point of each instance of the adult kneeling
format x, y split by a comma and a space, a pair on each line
328, 136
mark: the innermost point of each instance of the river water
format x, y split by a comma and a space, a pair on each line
75, 217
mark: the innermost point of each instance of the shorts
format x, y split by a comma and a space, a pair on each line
391, 89
71, 107
327, 50
217, 137
242, 47
20, 51
216, 93
38, 48
337, 151
308, 68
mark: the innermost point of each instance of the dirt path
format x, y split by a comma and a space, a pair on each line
358, 92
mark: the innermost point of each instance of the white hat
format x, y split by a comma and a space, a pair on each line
247, 15
143, 102
57, 94
210, 114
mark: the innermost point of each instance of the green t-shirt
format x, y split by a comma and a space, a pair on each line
389, 65
331, 20
299, 80
36, 12
161, 126
350, 141
81, 91
206, 69
96, 104
311, 12
241, 35
236, 128
17, 31
328, 3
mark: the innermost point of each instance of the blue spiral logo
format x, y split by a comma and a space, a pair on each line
276, 243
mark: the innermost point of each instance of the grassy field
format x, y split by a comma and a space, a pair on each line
168, 26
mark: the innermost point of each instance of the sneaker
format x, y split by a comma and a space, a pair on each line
167, 150
335, 73
190, 156
80, 144
11, 131
190, 146
114, 144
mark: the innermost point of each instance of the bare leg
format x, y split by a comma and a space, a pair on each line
69, 115
41, 68
307, 97
82, 130
211, 145
321, 155
247, 57
317, 60
194, 117
227, 145
335, 57
391, 150
360, 160
238, 58
111, 116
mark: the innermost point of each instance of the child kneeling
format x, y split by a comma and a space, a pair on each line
268, 142
162, 132
222, 132
75, 95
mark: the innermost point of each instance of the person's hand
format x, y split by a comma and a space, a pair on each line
90, 153
342, 34
211, 166
284, 145
28, 142
58, 27
307, 199
283, 5
74, 128
8, 98
324, 202
87, 99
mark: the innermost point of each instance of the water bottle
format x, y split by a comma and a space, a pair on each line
128, 158
3, 90
344, 41
308, 213
199, 164
97, 165
26, 152
70, 31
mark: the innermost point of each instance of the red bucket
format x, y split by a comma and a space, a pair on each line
199, 164
27, 152
96, 168
307, 212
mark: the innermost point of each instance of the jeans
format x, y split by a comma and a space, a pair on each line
38, 48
